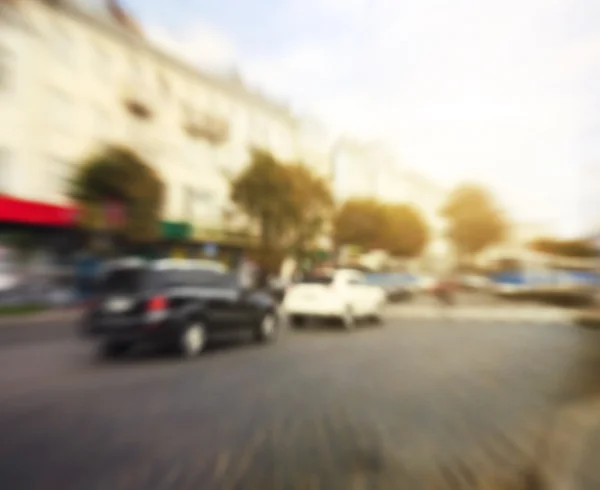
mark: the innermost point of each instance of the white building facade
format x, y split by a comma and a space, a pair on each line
75, 77
373, 170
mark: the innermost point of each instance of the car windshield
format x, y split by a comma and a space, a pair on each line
325, 280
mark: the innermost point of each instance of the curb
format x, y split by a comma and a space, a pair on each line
68, 315
492, 315
587, 320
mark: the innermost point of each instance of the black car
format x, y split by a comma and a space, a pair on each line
174, 304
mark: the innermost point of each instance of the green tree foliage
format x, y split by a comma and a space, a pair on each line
312, 204
261, 191
474, 220
399, 229
288, 203
117, 174
407, 232
359, 222
564, 248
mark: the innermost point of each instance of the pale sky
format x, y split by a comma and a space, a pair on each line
505, 92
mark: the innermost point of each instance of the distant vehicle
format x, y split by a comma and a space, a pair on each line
444, 291
344, 295
426, 284
277, 288
9, 274
397, 286
174, 304
475, 282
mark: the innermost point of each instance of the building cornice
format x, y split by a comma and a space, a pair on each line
134, 40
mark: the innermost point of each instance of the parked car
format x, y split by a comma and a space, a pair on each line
398, 286
174, 304
344, 295
276, 288
474, 282
425, 284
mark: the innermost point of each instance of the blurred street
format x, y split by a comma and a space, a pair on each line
415, 404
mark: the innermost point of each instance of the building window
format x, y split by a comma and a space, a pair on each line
5, 170
137, 73
163, 84
61, 173
198, 203
102, 123
239, 125
61, 110
5, 68
188, 203
64, 48
186, 110
101, 63
258, 133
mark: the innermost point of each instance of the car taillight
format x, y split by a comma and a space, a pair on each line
92, 303
158, 303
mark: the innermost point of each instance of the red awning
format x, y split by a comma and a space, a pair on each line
13, 210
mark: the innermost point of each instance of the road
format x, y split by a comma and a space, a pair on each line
411, 405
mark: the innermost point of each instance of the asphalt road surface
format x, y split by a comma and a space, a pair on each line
410, 405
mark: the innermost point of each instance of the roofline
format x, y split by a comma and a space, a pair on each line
142, 43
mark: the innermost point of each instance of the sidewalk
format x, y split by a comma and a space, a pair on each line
570, 456
50, 316
589, 317
488, 313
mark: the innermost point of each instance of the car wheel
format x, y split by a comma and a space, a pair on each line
268, 329
348, 320
377, 320
112, 349
192, 340
297, 321
377, 316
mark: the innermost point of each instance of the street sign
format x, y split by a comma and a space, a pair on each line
210, 249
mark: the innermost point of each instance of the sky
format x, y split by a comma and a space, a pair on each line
504, 93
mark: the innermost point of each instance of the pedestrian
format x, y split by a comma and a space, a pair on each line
444, 293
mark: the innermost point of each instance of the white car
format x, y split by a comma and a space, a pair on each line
343, 294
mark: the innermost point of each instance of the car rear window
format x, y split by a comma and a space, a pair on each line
325, 280
134, 280
126, 280
204, 278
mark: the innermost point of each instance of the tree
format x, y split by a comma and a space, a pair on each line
289, 204
311, 208
406, 233
397, 228
474, 220
359, 222
564, 248
261, 191
118, 175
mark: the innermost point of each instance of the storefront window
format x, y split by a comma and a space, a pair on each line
4, 170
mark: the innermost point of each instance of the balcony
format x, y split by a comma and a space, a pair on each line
224, 237
212, 128
137, 102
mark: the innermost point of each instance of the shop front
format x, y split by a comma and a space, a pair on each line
182, 240
35, 225
39, 242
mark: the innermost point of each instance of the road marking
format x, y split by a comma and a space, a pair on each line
492, 314
223, 460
